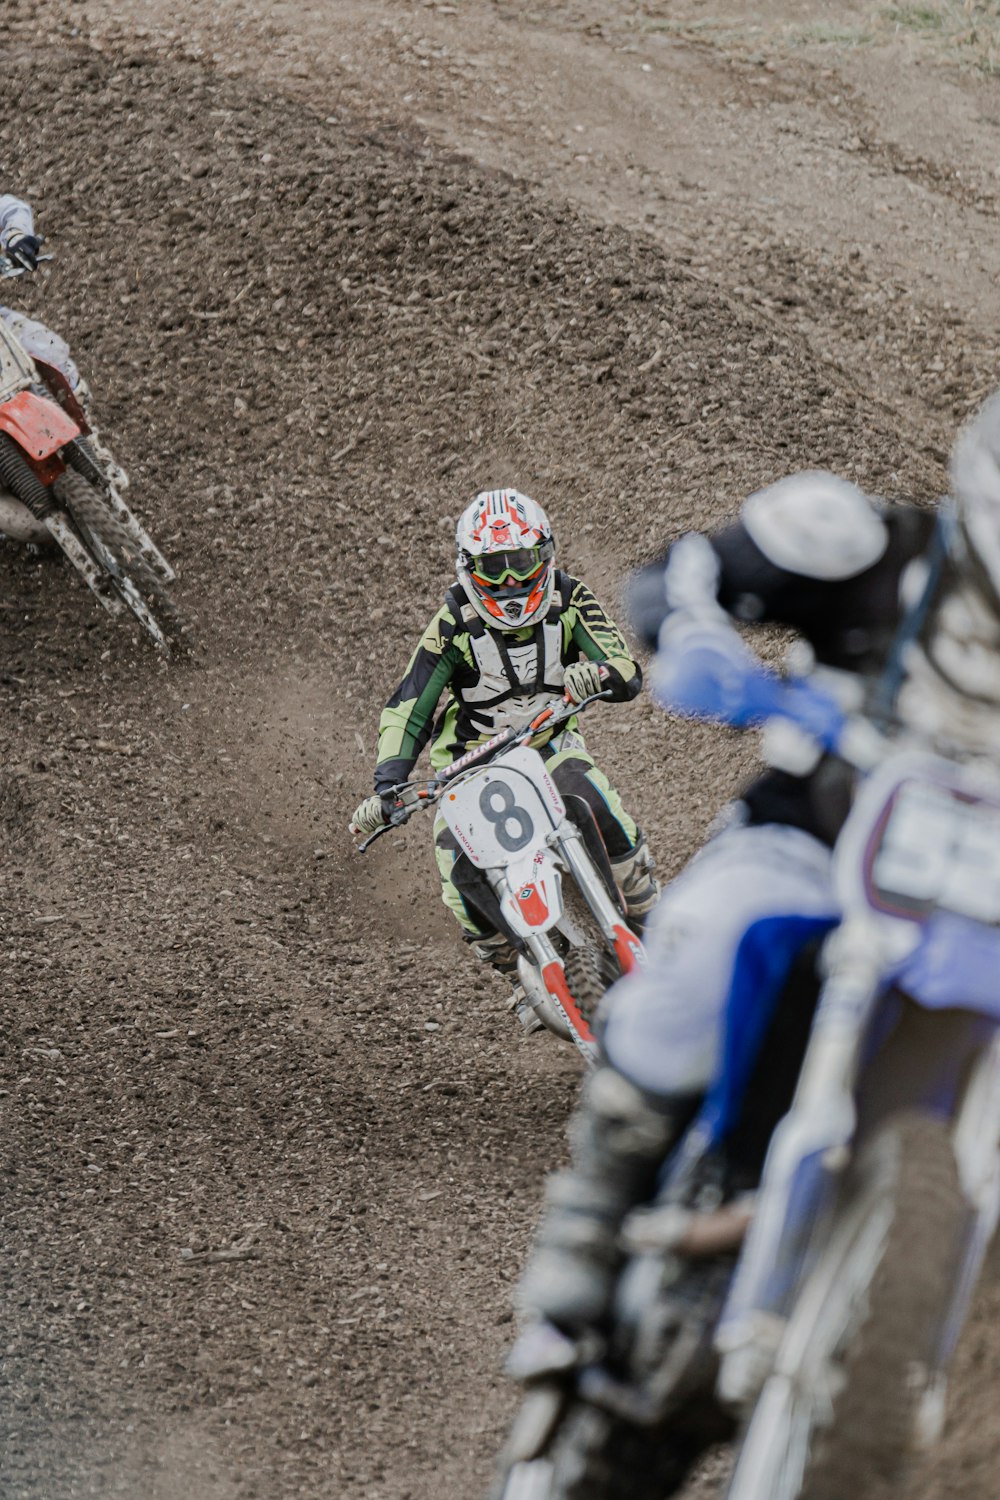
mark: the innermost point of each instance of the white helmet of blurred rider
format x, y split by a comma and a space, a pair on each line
505, 553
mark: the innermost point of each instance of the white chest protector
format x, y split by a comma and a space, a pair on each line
517, 678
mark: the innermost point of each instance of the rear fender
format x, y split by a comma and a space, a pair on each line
63, 392
39, 428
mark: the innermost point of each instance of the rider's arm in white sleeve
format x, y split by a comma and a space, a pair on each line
15, 219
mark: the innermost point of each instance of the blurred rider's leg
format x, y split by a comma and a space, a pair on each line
661, 1041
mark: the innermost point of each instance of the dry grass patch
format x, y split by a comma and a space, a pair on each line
965, 31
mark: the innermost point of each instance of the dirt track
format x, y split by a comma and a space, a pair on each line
321, 301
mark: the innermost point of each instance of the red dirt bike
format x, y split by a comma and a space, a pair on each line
58, 483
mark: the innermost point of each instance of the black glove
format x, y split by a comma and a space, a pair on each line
24, 251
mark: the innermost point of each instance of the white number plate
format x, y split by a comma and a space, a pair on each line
935, 849
500, 812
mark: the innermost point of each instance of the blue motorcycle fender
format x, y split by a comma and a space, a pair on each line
955, 965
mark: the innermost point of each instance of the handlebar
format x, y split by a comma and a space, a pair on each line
411, 796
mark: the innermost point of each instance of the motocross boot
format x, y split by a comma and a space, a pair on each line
497, 951
639, 886
619, 1138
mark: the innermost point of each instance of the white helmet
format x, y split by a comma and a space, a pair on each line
505, 552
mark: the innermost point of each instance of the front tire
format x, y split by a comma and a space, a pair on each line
585, 977
839, 1411
133, 577
596, 1456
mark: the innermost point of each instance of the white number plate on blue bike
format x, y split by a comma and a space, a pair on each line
935, 848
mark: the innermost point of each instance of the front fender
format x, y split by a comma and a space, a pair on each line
531, 897
39, 428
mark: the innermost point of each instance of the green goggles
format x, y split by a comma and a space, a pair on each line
519, 565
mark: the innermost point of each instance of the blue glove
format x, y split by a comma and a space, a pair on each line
814, 711
704, 671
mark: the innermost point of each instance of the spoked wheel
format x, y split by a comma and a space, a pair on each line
115, 550
839, 1411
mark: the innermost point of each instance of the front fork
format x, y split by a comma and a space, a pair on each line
808, 1151
616, 933
546, 960
567, 842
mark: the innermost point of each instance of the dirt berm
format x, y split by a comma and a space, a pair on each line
271, 1148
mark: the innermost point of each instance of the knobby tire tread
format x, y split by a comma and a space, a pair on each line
607, 966
93, 514
871, 1434
586, 981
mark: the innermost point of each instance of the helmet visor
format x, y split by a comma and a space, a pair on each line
516, 566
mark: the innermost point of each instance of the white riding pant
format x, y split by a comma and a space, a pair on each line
664, 1025
41, 343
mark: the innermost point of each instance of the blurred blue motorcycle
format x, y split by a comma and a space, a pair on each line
805, 1271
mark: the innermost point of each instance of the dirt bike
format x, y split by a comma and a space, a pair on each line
59, 484
804, 1272
537, 867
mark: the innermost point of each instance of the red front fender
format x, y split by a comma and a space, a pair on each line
39, 428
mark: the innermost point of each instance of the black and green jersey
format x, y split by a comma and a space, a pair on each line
493, 678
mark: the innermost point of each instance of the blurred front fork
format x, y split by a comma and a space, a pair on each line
808, 1151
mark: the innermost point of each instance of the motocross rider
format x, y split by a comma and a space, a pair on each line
901, 602
20, 243
513, 634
